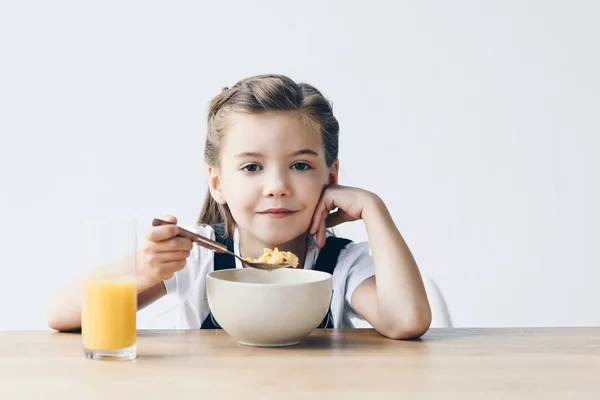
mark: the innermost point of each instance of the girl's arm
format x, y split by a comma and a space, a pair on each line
394, 301
164, 253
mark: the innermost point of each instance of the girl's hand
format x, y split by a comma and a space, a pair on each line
350, 203
164, 253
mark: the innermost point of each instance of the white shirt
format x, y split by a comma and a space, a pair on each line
354, 265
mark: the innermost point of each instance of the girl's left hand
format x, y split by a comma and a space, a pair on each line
350, 203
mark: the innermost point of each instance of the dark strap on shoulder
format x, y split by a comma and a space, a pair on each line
326, 262
328, 256
222, 261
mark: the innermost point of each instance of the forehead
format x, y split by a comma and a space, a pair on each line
269, 132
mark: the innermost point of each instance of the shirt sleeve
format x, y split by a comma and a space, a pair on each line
361, 266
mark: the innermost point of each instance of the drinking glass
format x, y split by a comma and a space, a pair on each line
109, 292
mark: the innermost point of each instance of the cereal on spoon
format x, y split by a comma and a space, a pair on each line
276, 257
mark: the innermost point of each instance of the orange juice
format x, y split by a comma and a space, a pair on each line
109, 312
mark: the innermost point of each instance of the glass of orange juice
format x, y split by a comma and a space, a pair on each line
109, 292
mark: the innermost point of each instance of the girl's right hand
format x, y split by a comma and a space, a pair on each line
164, 252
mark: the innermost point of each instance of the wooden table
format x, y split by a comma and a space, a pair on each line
345, 364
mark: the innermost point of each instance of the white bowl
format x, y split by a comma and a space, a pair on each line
269, 308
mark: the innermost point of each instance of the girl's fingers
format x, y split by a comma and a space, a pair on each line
169, 218
171, 256
317, 218
322, 228
314, 225
311, 228
159, 259
322, 235
158, 233
173, 244
163, 232
326, 204
167, 269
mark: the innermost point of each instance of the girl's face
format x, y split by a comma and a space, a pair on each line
271, 175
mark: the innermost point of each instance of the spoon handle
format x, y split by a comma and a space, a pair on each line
201, 240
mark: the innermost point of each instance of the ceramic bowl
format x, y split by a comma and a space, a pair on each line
269, 308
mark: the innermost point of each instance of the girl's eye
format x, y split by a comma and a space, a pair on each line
301, 166
251, 167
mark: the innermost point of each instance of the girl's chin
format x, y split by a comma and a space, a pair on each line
277, 236
276, 240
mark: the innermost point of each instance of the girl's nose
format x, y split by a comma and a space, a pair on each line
276, 185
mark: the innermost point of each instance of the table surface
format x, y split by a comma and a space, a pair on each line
343, 363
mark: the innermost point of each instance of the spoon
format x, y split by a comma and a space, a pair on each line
218, 247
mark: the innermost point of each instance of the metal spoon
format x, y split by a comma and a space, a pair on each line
218, 247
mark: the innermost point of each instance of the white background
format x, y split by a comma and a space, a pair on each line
476, 121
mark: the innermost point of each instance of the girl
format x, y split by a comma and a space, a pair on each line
271, 151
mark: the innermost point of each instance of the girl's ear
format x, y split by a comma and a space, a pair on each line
333, 173
214, 184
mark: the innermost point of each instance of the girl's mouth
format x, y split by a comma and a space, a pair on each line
277, 212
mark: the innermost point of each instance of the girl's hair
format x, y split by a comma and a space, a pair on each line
257, 95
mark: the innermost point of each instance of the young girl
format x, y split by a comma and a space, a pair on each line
272, 156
